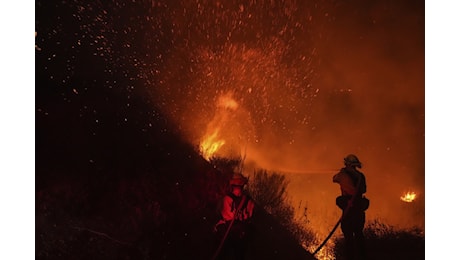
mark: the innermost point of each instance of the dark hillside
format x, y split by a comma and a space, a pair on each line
127, 189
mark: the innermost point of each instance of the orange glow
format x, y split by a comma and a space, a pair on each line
326, 253
221, 129
272, 98
227, 102
408, 196
211, 144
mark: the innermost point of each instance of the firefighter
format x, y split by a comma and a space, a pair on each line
353, 204
236, 216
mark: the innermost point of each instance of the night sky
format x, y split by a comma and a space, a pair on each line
313, 81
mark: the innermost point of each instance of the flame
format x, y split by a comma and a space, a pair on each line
213, 140
211, 144
408, 196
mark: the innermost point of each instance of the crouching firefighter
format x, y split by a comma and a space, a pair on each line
353, 204
234, 227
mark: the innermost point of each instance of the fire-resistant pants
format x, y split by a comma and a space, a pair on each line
352, 227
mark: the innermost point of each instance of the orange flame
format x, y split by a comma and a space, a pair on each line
211, 144
213, 141
408, 196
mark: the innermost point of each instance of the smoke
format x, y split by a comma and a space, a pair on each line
372, 102
312, 83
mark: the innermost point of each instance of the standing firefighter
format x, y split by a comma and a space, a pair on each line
353, 204
235, 223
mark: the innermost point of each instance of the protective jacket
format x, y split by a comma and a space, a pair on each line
230, 205
351, 182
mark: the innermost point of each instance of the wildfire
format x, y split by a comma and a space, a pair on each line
408, 196
211, 144
213, 141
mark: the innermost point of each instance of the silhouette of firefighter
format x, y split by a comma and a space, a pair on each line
234, 227
353, 204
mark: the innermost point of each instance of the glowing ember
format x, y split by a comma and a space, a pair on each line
211, 144
408, 196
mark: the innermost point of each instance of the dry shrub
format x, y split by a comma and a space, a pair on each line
269, 192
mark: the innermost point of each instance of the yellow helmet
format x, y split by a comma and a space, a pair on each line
352, 160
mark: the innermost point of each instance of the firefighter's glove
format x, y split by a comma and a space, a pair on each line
220, 222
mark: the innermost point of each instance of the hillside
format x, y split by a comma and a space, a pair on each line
118, 183
121, 192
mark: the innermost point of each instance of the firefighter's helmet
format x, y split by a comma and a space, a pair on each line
352, 160
238, 180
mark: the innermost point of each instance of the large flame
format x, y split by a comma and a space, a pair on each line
218, 128
211, 144
408, 196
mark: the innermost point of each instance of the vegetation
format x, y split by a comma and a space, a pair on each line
226, 165
387, 242
269, 191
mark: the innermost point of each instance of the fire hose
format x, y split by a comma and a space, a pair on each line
228, 229
332, 231
340, 219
